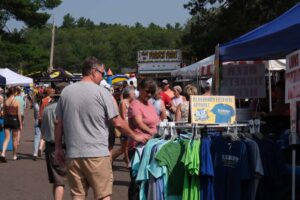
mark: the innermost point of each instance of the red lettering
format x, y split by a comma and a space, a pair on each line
294, 61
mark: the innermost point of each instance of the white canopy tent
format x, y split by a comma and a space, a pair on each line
13, 78
200, 68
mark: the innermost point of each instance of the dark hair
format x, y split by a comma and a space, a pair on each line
126, 91
11, 91
18, 90
88, 64
148, 83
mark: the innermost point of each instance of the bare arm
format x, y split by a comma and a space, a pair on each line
123, 127
123, 109
163, 114
178, 113
19, 116
139, 122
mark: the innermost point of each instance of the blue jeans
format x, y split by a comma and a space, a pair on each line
37, 137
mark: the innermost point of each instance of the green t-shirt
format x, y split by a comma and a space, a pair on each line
191, 159
170, 155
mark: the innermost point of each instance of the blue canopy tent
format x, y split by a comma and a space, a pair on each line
273, 40
2, 80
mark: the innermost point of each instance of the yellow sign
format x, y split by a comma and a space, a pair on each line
213, 109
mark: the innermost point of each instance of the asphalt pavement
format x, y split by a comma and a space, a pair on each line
27, 179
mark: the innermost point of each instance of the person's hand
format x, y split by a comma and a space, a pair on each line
21, 127
142, 138
60, 156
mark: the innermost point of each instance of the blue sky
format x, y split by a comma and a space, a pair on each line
126, 12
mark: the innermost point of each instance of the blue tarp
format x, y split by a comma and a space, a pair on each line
2, 80
273, 40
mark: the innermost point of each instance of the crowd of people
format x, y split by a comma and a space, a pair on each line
76, 125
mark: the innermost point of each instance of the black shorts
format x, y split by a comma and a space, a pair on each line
11, 122
57, 174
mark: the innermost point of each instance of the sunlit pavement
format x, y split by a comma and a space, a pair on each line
27, 179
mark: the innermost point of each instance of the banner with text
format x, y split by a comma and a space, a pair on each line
292, 77
244, 81
213, 109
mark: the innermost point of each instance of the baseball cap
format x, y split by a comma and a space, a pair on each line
165, 81
59, 88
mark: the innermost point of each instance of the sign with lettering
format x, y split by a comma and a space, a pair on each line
174, 55
244, 81
292, 77
213, 109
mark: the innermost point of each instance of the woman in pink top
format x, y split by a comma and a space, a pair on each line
143, 119
142, 116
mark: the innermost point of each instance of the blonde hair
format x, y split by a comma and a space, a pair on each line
177, 88
190, 90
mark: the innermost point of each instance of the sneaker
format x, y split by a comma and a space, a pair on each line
16, 158
34, 158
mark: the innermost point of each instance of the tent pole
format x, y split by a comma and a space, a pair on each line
293, 174
270, 88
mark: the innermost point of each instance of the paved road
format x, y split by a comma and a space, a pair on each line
27, 179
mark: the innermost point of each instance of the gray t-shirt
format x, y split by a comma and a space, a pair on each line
86, 109
48, 120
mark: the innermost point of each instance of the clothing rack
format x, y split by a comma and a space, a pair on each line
180, 125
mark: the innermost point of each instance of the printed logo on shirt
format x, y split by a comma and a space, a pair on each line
201, 115
230, 160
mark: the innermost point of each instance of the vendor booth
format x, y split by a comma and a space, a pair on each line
56, 75
12, 78
274, 40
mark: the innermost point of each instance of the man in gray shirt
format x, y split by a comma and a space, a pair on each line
83, 112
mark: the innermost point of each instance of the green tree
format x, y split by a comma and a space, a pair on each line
28, 11
219, 21
69, 21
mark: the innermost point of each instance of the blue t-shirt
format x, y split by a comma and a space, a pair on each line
207, 171
143, 174
223, 113
270, 185
231, 167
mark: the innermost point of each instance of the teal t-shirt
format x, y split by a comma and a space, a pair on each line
191, 160
22, 104
170, 156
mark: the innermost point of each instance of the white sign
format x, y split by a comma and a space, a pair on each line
292, 77
244, 81
159, 56
158, 67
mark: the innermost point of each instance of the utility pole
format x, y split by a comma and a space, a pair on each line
52, 47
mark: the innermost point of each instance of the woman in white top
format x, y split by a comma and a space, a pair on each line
176, 100
182, 111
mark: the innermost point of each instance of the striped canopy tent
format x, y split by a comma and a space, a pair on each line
205, 67
119, 78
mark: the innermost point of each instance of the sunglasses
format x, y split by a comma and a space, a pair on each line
149, 91
97, 70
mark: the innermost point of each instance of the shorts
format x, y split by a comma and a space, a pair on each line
90, 172
57, 174
11, 122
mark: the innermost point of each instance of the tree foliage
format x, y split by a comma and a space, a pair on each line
219, 21
115, 44
28, 11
